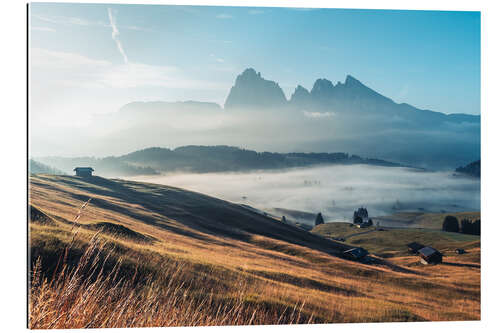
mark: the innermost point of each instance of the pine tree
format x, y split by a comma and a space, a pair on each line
319, 219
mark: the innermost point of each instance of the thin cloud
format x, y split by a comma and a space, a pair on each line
69, 20
78, 21
318, 114
224, 16
303, 9
256, 11
114, 35
87, 72
43, 29
218, 59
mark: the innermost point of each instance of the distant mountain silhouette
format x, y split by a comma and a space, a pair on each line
345, 116
36, 167
251, 90
227, 158
352, 98
206, 159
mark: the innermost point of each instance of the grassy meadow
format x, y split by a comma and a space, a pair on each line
115, 253
423, 220
391, 242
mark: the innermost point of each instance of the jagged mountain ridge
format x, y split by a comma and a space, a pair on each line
252, 91
352, 96
346, 116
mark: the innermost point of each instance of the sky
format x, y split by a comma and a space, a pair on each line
93, 58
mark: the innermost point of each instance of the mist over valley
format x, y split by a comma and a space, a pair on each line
335, 191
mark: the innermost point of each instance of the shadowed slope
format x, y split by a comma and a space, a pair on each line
197, 213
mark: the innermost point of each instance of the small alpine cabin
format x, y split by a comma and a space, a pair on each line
357, 253
83, 171
429, 255
413, 247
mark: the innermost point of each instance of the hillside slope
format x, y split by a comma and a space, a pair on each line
37, 167
202, 159
231, 255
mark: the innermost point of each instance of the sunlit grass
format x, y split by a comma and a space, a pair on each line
194, 278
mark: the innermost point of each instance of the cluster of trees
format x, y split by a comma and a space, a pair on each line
360, 215
466, 226
319, 219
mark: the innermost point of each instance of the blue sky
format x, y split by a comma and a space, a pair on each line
90, 58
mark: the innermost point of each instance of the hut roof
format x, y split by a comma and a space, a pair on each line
415, 246
357, 253
428, 251
83, 169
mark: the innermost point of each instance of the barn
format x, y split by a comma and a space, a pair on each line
83, 171
413, 247
429, 255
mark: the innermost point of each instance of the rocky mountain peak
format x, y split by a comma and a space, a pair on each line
252, 90
322, 87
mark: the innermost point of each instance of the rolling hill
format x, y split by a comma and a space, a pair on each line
36, 167
181, 258
472, 169
202, 159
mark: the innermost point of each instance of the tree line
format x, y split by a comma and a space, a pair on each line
465, 226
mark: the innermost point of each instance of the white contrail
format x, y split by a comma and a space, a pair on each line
114, 35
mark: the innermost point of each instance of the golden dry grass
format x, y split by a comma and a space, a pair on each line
242, 270
86, 296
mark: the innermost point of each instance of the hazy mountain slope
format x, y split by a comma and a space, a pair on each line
107, 166
37, 167
205, 159
226, 158
347, 117
472, 169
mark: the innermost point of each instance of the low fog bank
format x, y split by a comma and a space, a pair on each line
336, 191
139, 126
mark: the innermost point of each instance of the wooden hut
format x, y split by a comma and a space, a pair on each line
83, 171
357, 253
413, 247
429, 255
